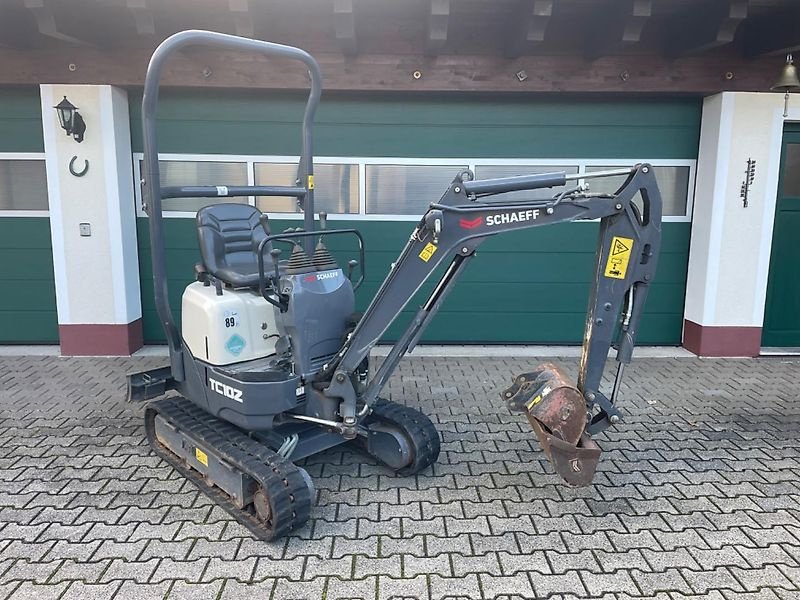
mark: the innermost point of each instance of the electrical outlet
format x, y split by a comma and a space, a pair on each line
85, 229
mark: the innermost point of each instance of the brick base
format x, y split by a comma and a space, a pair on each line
101, 340
721, 341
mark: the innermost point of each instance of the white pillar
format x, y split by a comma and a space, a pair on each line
96, 275
730, 244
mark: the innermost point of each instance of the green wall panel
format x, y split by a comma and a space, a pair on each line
20, 120
523, 287
409, 126
28, 315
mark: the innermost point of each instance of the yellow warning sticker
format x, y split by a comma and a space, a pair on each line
311, 182
534, 402
427, 252
201, 457
619, 257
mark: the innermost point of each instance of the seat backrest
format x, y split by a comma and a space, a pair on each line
229, 235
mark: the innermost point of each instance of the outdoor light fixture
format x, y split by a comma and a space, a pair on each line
787, 82
70, 119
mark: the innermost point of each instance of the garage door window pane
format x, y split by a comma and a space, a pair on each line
184, 173
335, 188
406, 189
673, 182
791, 171
494, 171
23, 185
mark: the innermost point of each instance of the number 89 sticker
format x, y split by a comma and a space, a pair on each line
231, 318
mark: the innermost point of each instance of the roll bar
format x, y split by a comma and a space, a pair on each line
152, 192
228, 191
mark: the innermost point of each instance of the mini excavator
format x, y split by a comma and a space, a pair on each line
271, 362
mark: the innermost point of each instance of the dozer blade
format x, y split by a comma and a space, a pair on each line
557, 412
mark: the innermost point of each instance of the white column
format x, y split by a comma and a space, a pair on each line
96, 275
730, 244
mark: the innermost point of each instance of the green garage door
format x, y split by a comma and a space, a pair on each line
28, 313
782, 310
526, 287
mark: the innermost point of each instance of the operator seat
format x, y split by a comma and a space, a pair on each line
229, 235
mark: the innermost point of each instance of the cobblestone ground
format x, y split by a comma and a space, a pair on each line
698, 496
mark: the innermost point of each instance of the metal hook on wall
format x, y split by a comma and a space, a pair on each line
78, 173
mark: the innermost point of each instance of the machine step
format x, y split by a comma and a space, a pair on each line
263, 491
146, 385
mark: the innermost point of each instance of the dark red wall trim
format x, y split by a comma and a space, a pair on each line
721, 341
101, 340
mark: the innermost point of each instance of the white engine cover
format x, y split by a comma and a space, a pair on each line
237, 326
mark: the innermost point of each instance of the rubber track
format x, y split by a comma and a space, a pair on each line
416, 426
285, 487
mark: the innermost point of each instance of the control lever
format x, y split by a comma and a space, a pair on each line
264, 220
351, 265
275, 253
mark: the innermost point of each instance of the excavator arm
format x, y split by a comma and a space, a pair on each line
563, 414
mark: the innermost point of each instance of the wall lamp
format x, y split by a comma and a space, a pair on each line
70, 119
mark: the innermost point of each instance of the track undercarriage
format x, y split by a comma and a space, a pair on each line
257, 485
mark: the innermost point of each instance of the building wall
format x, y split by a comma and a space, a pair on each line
92, 222
731, 243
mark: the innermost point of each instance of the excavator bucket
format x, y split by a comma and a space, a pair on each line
557, 412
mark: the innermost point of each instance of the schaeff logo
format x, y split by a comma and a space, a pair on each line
500, 218
322, 276
225, 390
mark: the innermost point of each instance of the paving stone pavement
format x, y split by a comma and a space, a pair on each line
697, 496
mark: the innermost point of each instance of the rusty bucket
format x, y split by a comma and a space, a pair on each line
557, 413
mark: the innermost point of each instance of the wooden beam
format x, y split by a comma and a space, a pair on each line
699, 30
142, 15
528, 26
242, 19
344, 21
648, 74
774, 33
46, 22
615, 28
438, 21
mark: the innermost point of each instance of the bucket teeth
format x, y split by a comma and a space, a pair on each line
557, 412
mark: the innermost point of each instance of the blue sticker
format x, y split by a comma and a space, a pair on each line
236, 344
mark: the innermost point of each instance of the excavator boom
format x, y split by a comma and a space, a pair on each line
563, 414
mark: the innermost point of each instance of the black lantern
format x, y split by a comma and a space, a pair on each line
70, 119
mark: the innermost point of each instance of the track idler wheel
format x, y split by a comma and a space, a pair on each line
557, 413
401, 437
263, 509
277, 500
